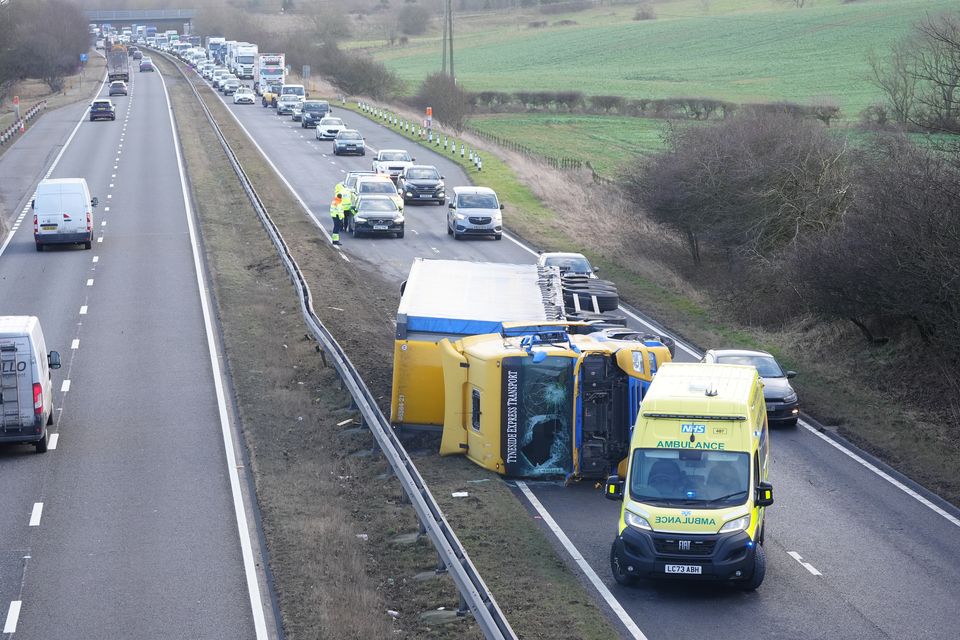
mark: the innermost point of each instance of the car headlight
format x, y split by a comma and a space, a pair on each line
791, 398
359, 219
736, 525
460, 216
635, 521
398, 220
498, 218
409, 194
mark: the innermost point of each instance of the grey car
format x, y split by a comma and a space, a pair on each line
783, 405
349, 141
474, 211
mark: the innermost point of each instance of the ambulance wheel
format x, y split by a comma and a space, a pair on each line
619, 575
41, 445
759, 570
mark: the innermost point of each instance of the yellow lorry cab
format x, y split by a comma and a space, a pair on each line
695, 488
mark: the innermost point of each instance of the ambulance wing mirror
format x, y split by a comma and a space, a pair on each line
53, 359
764, 496
614, 488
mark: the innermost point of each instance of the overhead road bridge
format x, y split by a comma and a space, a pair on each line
167, 17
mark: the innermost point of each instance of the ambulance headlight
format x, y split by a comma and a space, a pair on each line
635, 521
736, 525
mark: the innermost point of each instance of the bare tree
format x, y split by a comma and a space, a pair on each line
451, 104
894, 75
937, 68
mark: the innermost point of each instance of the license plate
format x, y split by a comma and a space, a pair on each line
380, 227
683, 568
425, 195
48, 227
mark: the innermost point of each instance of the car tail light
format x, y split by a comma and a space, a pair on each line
37, 398
89, 222
36, 227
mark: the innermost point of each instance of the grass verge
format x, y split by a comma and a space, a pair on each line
318, 483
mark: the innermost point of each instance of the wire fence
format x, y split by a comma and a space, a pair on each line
20, 125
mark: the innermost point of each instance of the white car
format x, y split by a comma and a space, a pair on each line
329, 127
392, 162
244, 95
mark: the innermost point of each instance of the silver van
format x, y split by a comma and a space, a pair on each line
63, 213
474, 211
26, 392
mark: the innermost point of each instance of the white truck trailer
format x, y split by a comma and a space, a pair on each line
270, 69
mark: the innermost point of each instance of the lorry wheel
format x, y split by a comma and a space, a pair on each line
41, 445
619, 575
759, 570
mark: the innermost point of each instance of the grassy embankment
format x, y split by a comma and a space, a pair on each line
736, 50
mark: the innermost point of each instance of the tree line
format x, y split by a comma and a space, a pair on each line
40, 39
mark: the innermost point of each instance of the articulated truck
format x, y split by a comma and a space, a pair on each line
270, 69
485, 354
118, 65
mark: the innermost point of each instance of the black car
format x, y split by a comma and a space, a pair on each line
421, 183
118, 88
312, 111
102, 110
377, 215
349, 141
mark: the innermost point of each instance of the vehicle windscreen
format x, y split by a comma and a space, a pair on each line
378, 205
577, 265
314, 106
477, 201
398, 156
422, 174
297, 91
349, 135
766, 366
378, 186
332, 122
689, 477
245, 59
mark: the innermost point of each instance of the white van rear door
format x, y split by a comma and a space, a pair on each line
74, 212
16, 383
49, 213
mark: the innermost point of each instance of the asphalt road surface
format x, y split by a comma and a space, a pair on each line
128, 526
852, 552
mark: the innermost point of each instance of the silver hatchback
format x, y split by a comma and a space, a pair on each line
474, 211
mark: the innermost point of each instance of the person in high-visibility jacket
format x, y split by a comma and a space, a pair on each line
336, 212
346, 201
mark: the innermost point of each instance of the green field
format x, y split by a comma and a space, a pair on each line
605, 141
737, 50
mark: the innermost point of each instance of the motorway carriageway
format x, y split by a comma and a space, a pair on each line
852, 551
135, 523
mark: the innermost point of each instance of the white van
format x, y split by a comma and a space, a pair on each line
294, 89
26, 393
63, 213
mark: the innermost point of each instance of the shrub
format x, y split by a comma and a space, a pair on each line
644, 12
414, 20
451, 104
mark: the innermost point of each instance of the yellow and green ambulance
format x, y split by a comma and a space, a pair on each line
695, 488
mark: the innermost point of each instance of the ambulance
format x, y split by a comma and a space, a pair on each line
695, 489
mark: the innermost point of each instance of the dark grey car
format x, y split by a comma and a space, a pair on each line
783, 405
421, 183
349, 141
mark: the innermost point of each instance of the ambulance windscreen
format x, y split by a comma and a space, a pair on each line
683, 477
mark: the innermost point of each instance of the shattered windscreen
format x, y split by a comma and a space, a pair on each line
537, 407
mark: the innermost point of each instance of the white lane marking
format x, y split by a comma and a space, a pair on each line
886, 476
246, 546
806, 565
75, 344
415, 232
111, 185
53, 165
109, 196
54, 438
13, 614
105, 209
100, 239
65, 386
96, 259
114, 166
83, 310
36, 514
90, 282
103, 223
578, 558
113, 175
435, 250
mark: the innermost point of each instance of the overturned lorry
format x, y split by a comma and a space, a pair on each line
485, 353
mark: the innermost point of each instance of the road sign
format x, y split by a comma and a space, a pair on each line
306, 72
83, 57
429, 112
16, 100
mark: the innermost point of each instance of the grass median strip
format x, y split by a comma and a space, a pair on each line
333, 517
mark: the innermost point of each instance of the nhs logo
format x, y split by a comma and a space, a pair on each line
693, 428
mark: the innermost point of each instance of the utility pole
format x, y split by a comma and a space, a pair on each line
447, 40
